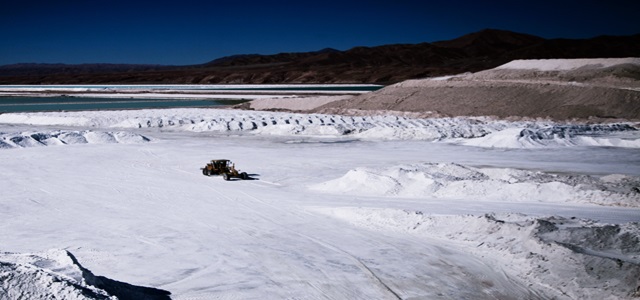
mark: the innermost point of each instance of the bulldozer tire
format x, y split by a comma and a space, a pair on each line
244, 176
225, 176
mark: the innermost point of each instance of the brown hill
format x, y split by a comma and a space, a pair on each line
383, 64
490, 42
560, 89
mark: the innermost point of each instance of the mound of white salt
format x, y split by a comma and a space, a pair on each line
559, 136
454, 181
564, 258
57, 274
61, 137
482, 132
48, 275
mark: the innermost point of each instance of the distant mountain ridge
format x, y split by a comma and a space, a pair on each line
382, 64
256, 59
27, 69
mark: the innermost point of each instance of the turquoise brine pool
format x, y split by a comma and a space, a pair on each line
34, 104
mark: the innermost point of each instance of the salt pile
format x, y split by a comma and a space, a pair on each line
606, 135
57, 274
481, 132
63, 137
565, 257
455, 181
49, 275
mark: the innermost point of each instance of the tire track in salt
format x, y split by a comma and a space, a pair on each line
516, 292
361, 265
262, 216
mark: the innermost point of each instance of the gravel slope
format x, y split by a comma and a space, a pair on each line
558, 89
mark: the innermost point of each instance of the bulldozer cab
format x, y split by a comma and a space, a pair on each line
218, 166
221, 164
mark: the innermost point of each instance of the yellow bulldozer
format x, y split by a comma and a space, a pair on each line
223, 167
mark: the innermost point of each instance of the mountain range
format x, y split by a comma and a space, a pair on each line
382, 64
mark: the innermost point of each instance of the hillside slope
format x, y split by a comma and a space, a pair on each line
557, 89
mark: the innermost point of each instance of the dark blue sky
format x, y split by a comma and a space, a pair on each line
193, 32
